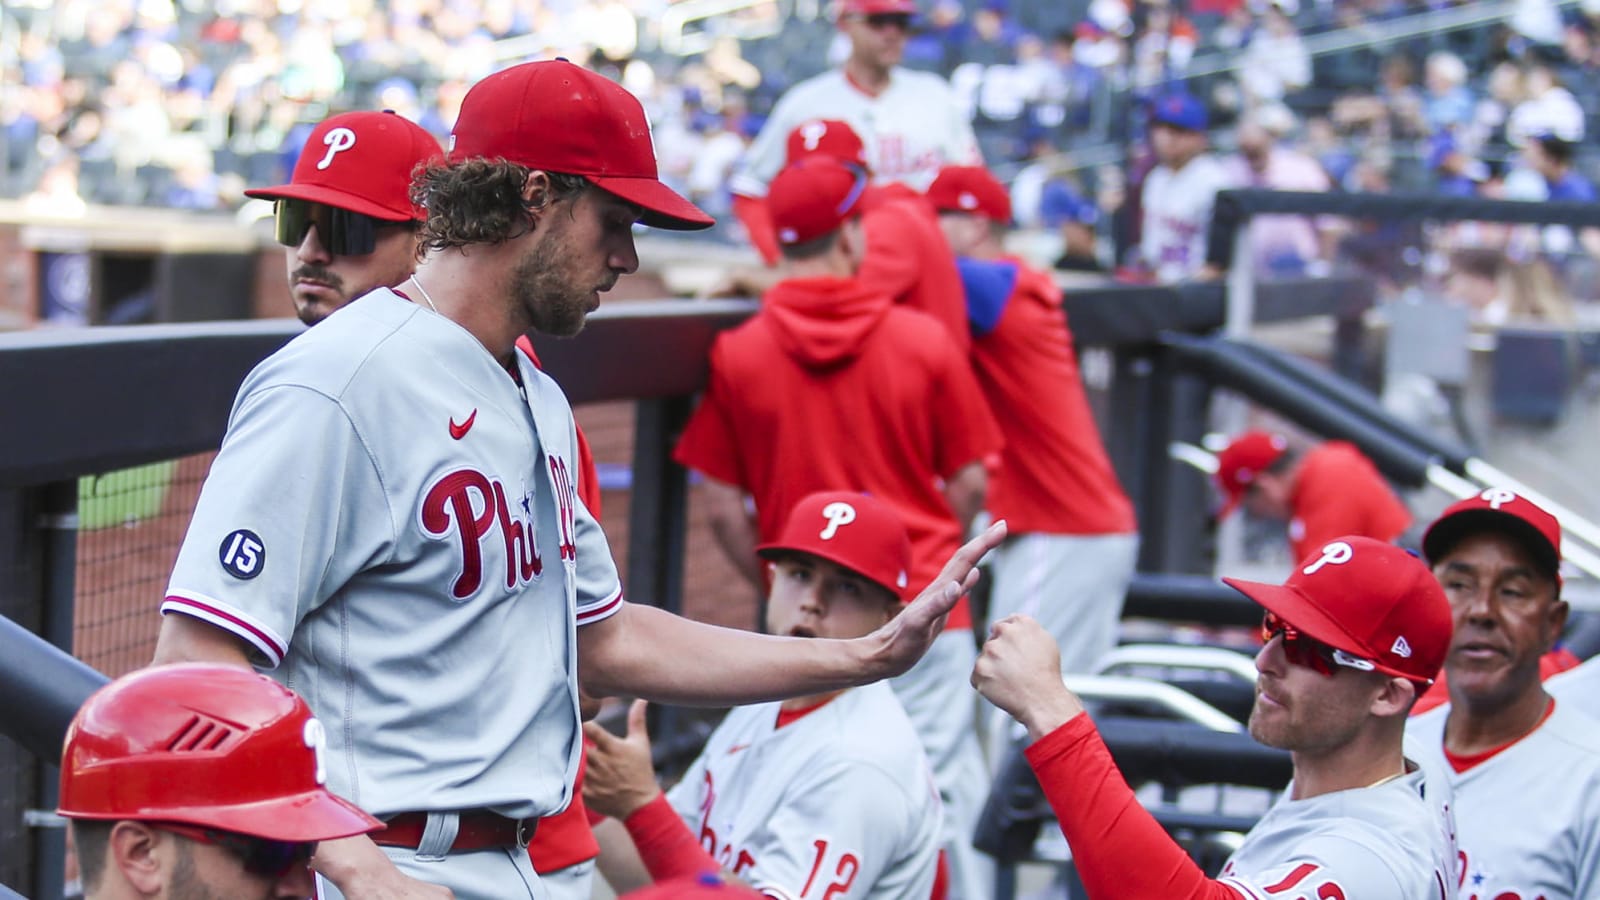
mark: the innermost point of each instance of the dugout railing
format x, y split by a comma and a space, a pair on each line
86, 401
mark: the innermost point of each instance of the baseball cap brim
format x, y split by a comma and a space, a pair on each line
1230, 503
313, 816
1444, 534
663, 207
778, 550
329, 196
1309, 619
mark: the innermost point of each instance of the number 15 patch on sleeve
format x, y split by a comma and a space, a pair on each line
243, 554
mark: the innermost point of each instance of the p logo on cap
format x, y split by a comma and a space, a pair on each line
337, 140
858, 532
1335, 554
838, 514
1497, 497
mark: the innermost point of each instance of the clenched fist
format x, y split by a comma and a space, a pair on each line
1020, 672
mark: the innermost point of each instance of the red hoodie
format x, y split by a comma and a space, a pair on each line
832, 387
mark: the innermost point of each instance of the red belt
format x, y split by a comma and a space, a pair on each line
479, 830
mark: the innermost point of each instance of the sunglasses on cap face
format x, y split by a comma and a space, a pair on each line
901, 21
340, 231
260, 857
1308, 652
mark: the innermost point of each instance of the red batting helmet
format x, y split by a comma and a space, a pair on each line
209, 745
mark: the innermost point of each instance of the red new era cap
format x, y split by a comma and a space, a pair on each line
1240, 462
360, 161
560, 117
971, 189
1368, 598
829, 137
1498, 509
856, 531
813, 197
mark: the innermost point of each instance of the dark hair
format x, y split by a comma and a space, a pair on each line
90, 837
811, 249
1560, 151
480, 201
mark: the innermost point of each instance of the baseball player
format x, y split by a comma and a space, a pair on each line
821, 796
1074, 542
199, 781
831, 386
346, 214
430, 579
1523, 834
910, 120
905, 255
1353, 636
1321, 492
358, 164
1178, 193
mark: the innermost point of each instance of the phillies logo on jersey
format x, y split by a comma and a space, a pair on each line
473, 507
566, 503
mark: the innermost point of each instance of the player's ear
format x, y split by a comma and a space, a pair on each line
135, 850
1394, 697
536, 190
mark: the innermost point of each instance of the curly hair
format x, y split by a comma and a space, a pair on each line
480, 201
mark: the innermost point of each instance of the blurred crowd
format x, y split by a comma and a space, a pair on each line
175, 103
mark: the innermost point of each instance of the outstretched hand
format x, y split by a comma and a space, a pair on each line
907, 636
621, 776
1019, 671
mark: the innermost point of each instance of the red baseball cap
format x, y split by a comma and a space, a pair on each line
559, 117
813, 197
856, 531
1498, 509
971, 189
204, 744
1370, 599
1240, 462
874, 7
360, 161
829, 137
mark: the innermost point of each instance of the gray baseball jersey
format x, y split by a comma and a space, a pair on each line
1391, 841
1578, 688
837, 805
911, 130
1524, 832
392, 526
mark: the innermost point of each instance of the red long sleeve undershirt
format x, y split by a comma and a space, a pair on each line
666, 846
1121, 852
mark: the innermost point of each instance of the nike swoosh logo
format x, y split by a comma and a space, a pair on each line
736, 748
460, 431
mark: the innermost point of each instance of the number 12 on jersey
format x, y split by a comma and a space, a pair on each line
838, 876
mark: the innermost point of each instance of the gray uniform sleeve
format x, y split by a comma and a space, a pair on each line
292, 508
